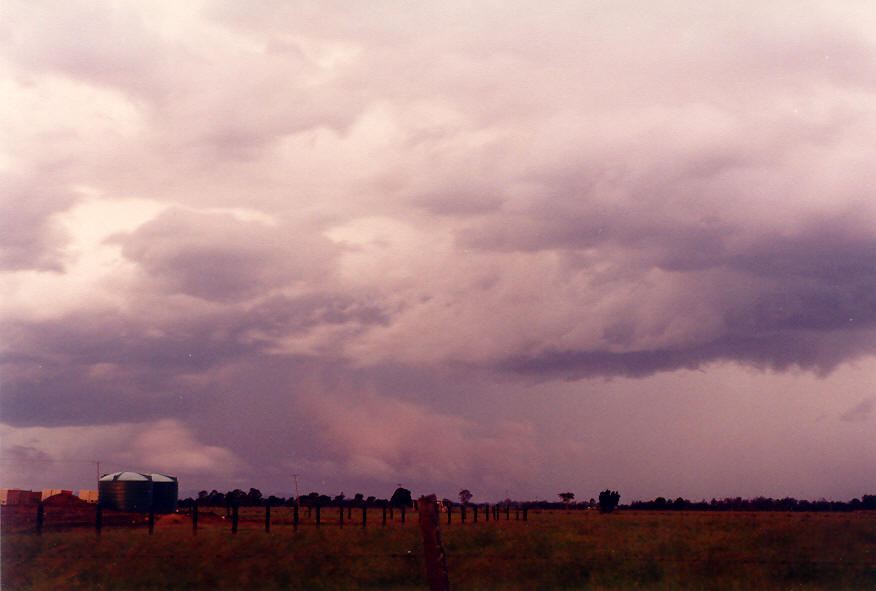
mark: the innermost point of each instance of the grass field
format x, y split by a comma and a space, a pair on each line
553, 550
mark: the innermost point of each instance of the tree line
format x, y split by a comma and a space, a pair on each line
254, 498
608, 500
866, 502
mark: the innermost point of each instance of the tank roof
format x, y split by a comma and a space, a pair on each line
156, 477
137, 477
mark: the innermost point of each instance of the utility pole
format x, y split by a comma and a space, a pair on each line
98, 470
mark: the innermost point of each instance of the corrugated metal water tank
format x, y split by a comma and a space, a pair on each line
137, 493
165, 490
125, 491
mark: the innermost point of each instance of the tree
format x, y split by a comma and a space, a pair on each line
608, 500
567, 497
401, 498
465, 496
234, 497
254, 497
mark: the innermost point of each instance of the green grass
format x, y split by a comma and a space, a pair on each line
553, 550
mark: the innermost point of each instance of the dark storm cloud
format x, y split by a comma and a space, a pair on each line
810, 302
820, 353
97, 368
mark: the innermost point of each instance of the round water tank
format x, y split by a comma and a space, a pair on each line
125, 491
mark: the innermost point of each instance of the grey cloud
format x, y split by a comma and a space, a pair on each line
860, 412
820, 353
28, 236
218, 257
102, 367
112, 47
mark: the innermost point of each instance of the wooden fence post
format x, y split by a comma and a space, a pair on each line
525, 511
267, 518
462, 512
475, 512
449, 511
487, 512
436, 560
41, 510
234, 518
195, 519
508, 512
349, 512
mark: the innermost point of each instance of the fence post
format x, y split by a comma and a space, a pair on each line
449, 511
151, 519
525, 511
195, 519
508, 512
391, 514
403, 513
436, 560
295, 518
475, 511
384, 515
234, 518
487, 512
341, 516
40, 514
267, 518
349, 512
517, 513
98, 518
462, 512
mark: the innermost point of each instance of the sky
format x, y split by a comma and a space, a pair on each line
514, 247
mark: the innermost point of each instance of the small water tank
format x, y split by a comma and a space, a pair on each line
165, 490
